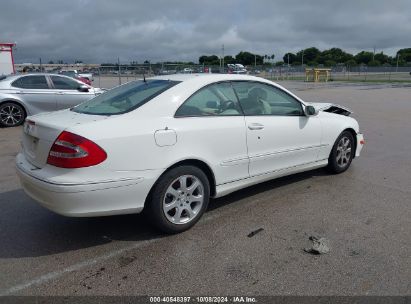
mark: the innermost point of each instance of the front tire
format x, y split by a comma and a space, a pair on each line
342, 153
11, 114
179, 199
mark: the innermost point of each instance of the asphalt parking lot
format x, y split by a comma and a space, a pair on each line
365, 213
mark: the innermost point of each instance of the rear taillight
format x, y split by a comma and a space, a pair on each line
74, 151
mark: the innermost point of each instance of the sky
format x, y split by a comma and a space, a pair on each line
98, 31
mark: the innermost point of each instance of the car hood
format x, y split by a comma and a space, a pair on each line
331, 108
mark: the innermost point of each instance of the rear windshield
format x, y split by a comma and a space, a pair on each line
124, 98
71, 74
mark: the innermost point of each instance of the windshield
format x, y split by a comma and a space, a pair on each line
124, 98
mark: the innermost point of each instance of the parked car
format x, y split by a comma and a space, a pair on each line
29, 94
74, 75
169, 143
86, 75
188, 70
236, 68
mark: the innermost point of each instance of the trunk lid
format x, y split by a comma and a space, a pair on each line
40, 132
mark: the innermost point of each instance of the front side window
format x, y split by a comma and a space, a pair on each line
215, 99
124, 98
31, 82
63, 83
262, 99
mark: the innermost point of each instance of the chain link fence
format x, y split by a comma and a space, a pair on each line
344, 73
109, 76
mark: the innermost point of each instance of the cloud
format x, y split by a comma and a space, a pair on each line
161, 30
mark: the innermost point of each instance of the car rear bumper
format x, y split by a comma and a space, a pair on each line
360, 144
122, 196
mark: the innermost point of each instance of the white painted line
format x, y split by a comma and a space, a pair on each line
58, 273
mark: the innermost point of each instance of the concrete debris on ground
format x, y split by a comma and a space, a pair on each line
319, 246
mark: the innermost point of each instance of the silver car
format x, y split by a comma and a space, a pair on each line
29, 94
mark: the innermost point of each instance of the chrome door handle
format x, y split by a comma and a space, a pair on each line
60, 93
256, 126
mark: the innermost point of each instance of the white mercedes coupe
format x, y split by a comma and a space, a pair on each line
167, 144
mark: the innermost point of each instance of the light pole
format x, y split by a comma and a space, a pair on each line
222, 49
302, 58
398, 57
119, 71
255, 62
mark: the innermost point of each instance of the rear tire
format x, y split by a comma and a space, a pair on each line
179, 199
11, 114
342, 153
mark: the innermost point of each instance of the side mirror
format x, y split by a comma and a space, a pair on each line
83, 88
310, 111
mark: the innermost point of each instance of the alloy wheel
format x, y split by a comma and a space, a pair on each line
183, 199
11, 115
343, 152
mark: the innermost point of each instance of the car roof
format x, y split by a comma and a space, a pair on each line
15, 76
171, 99
6, 82
38, 74
207, 78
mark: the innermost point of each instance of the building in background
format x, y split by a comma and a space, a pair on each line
6, 59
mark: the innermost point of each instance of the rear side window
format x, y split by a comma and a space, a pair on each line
63, 83
124, 98
215, 99
31, 82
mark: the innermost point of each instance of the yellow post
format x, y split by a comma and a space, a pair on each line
308, 74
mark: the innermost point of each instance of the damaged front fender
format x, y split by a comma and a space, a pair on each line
331, 108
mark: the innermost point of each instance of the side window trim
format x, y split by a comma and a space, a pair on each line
204, 87
15, 81
275, 88
49, 82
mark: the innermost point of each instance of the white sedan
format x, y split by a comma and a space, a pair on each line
167, 144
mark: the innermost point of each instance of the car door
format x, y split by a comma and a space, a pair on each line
67, 92
212, 125
35, 91
279, 135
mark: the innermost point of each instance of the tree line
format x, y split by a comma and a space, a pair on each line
245, 58
314, 57
309, 56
